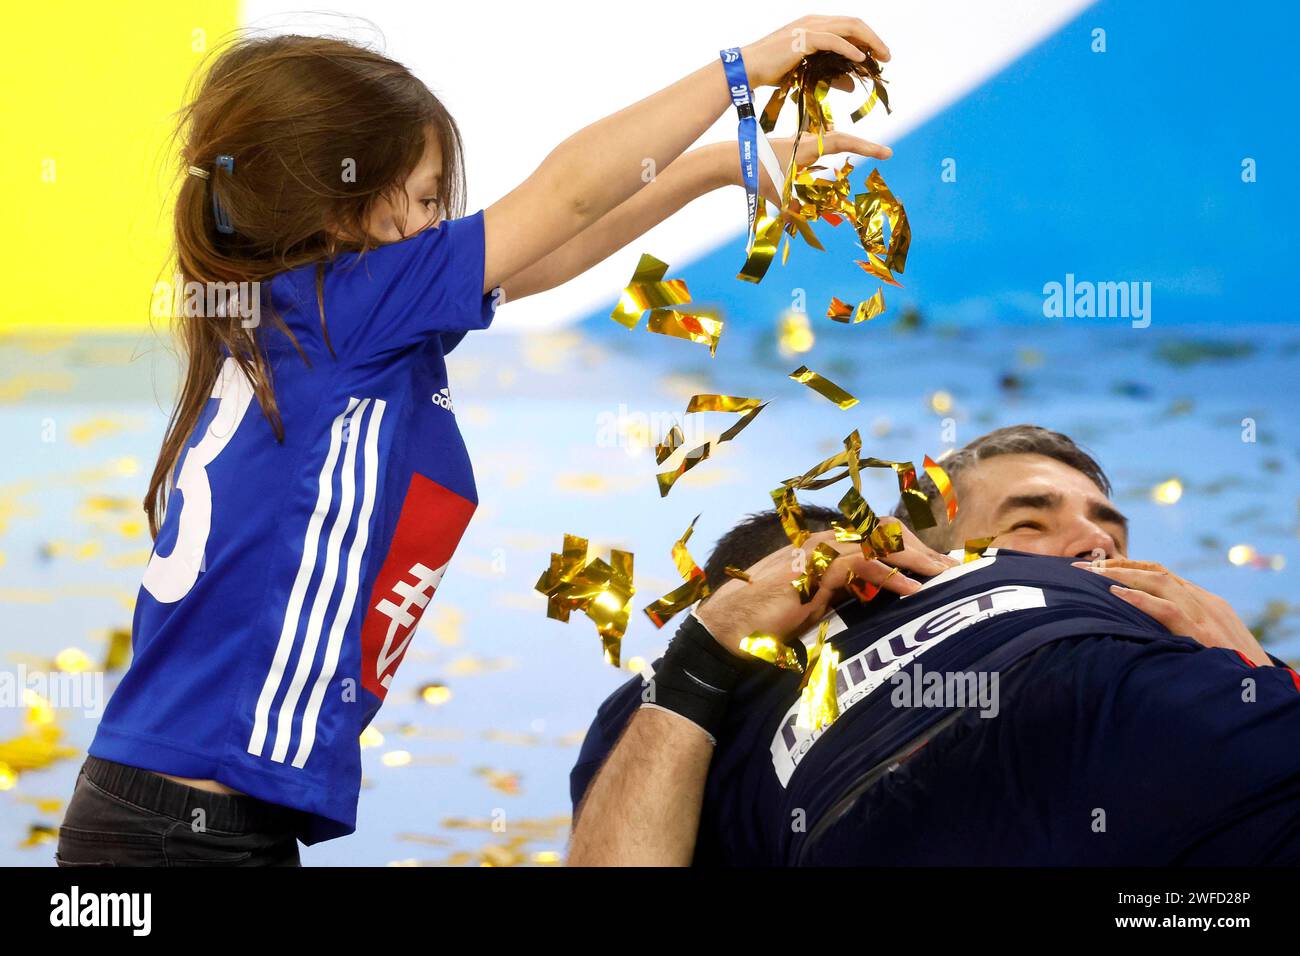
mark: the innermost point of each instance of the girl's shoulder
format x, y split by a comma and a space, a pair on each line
388, 298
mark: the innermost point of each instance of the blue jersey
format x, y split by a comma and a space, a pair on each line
1011, 711
289, 576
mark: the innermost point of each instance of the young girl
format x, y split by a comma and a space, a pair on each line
312, 484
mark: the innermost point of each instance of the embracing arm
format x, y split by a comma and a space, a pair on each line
599, 167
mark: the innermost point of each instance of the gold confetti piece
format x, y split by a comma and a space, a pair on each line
861, 588
794, 334
791, 515
35, 749
603, 591
885, 538
839, 310
767, 648
767, 233
470, 665
86, 432
940, 402
815, 650
842, 312
546, 858
435, 694
814, 567
72, 660
866, 107
1240, 554
536, 828
660, 295
666, 479
881, 204
944, 484
108, 504
870, 308
818, 699
1244, 554
396, 758
510, 737
703, 329
43, 804
975, 548
878, 539
694, 589
1167, 492
494, 855
39, 709
664, 450
721, 403
503, 781
734, 572
649, 291
38, 834
425, 838
682, 559
631, 306
823, 387
727, 403
877, 270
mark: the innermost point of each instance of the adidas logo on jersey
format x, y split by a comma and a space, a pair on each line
443, 398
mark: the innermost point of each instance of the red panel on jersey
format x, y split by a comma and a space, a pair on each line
429, 527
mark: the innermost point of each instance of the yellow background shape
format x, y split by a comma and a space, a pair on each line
91, 90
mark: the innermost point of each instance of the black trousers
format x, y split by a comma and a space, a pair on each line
123, 816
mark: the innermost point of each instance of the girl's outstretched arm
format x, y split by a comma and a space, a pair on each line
688, 177
599, 167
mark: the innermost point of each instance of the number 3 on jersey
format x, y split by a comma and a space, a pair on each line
170, 577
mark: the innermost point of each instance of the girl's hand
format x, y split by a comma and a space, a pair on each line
834, 142
771, 58
1179, 605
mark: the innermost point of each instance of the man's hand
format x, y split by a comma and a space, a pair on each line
1179, 605
768, 602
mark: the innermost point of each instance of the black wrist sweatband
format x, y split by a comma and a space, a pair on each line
696, 677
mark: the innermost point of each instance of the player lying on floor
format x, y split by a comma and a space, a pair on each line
1085, 710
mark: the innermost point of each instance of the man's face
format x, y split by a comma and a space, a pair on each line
1040, 505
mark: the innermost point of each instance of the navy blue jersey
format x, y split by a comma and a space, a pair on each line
953, 699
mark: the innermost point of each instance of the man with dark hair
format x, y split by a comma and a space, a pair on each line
1027, 707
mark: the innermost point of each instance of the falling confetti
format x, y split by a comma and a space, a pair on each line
694, 589
601, 590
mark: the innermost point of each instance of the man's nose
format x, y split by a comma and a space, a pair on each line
1089, 541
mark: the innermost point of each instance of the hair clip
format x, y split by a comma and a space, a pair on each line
218, 211
200, 172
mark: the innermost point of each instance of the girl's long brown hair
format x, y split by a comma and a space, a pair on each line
296, 113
